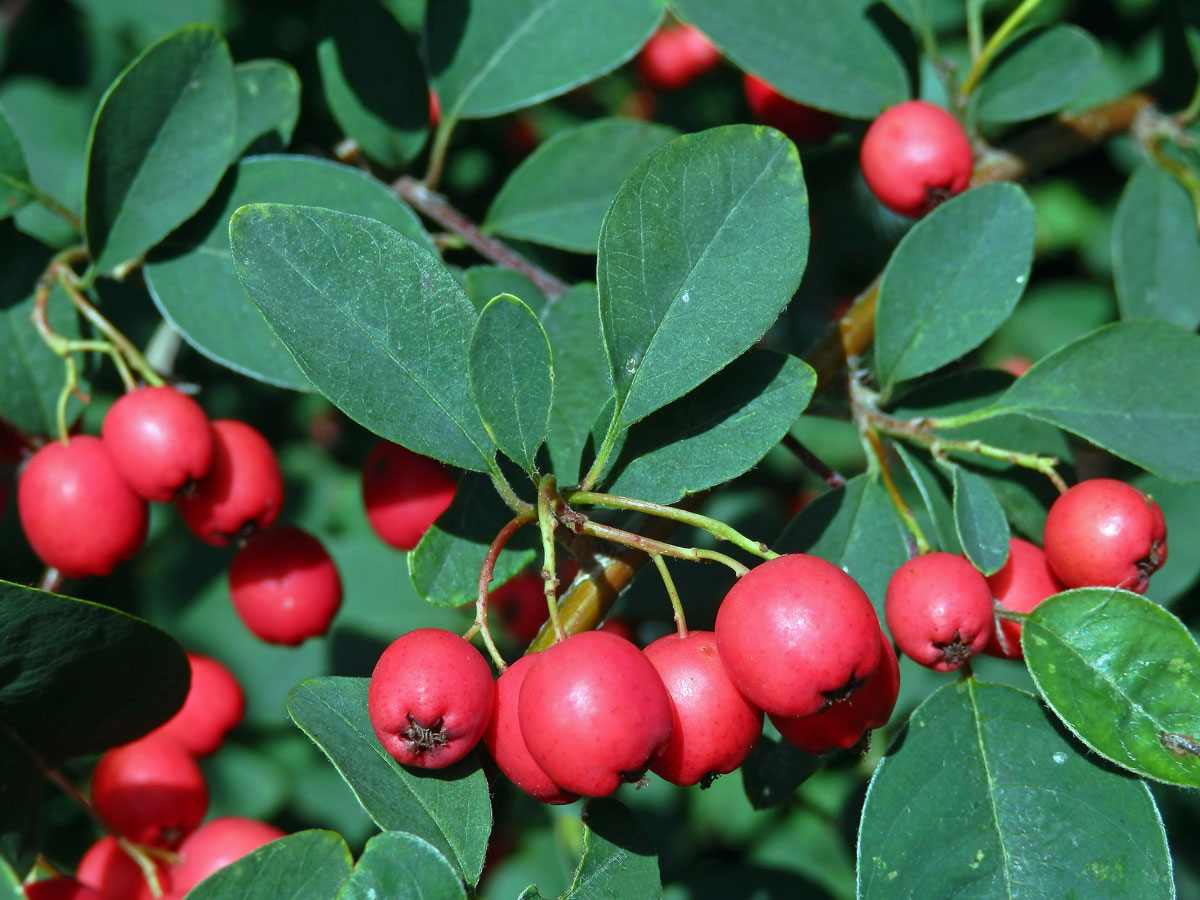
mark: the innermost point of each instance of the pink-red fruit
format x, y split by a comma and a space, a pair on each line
939, 610
77, 512
430, 698
213, 707
803, 124
797, 634
113, 873
915, 156
285, 586
151, 791
159, 440
242, 492
674, 56
404, 493
61, 888
713, 727
1021, 584
1105, 533
593, 713
215, 845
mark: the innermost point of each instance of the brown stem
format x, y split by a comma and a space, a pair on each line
480, 626
813, 463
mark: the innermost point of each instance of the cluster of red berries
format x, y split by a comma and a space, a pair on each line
82, 505
153, 796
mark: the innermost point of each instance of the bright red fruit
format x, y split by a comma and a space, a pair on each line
77, 512
803, 124
1021, 584
61, 888
939, 610
151, 791
285, 586
842, 725
242, 492
674, 56
503, 739
593, 713
914, 156
796, 634
713, 727
404, 493
159, 440
215, 845
109, 870
1105, 533
214, 706
430, 698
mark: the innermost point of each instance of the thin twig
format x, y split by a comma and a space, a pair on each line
480, 626
813, 463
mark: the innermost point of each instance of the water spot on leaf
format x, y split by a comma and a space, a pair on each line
1059, 757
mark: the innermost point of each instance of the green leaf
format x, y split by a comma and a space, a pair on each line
689, 278
445, 565
401, 866
191, 276
485, 282
493, 56
938, 519
512, 378
1040, 73
953, 279
308, 865
21, 808
268, 106
982, 775
335, 288
559, 194
618, 856
161, 140
773, 771
449, 808
373, 81
582, 382
715, 433
827, 55
77, 677
1127, 387
1124, 675
979, 521
15, 187
1180, 505
1156, 250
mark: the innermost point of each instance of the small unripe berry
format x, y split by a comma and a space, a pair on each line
213, 707
1020, 584
404, 493
939, 610
159, 440
152, 791
803, 124
215, 845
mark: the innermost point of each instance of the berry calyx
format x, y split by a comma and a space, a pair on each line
673, 57
404, 493
285, 586
1105, 533
214, 705
113, 873
1020, 584
77, 512
939, 610
797, 634
803, 124
159, 440
594, 713
152, 791
242, 492
430, 698
215, 845
915, 156
713, 726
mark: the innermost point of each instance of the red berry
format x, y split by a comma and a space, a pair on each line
503, 739
914, 156
430, 698
243, 490
78, 514
285, 586
1105, 533
594, 713
404, 493
520, 603
803, 124
61, 888
713, 727
215, 845
151, 791
844, 724
620, 627
213, 707
108, 869
796, 634
939, 610
1021, 584
159, 440
674, 56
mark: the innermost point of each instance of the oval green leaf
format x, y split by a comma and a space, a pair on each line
707, 269
979, 521
162, 137
22, 783
512, 378
982, 775
191, 277
485, 282
401, 866
449, 808
619, 859
1124, 675
935, 514
268, 106
1040, 73
308, 865
558, 196
375, 321
952, 281
15, 187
